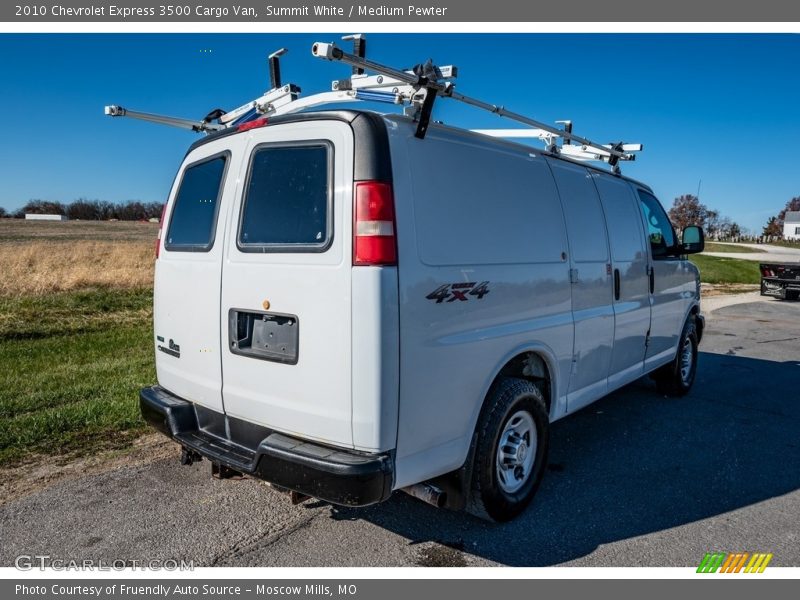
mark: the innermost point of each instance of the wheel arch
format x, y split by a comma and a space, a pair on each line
694, 312
535, 363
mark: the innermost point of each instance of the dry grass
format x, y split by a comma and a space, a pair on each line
43, 267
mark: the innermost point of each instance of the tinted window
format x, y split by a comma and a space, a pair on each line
287, 198
194, 214
659, 229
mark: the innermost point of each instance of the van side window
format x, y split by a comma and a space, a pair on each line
287, 199
659, 228
194, 214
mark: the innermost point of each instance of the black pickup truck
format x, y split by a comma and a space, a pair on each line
780, 281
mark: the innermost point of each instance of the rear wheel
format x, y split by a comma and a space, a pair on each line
676, 378
511, 450
792, 294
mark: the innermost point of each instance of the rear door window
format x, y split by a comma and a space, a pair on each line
194, 213
287, 202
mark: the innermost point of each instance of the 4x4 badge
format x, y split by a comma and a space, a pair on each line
452, 292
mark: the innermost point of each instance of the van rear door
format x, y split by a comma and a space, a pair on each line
286, 283
188, 272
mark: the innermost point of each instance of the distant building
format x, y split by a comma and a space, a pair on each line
35, 217
791, 225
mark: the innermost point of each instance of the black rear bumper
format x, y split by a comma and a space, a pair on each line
777, 287
338, 476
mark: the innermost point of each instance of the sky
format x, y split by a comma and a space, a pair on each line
719, 109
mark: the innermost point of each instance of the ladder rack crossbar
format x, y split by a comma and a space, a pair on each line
332, 52
118, 111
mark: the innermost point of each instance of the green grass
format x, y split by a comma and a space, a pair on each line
715, 269
715, 247
72, 364
786, 244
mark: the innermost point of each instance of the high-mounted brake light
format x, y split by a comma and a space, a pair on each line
160, 229
253, 124
374, 241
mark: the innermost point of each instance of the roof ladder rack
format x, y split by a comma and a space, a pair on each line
429, 83
416, 90
275, 98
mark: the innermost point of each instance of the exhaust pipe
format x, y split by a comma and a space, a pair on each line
427, 493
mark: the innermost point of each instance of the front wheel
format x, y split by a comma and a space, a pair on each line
677, 378
511, 450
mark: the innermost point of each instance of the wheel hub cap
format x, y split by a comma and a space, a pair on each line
516, 451
687, 358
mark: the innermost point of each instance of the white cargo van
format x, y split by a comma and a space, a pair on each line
344, 309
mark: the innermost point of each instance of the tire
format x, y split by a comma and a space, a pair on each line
677, 378
503, 484
792, 295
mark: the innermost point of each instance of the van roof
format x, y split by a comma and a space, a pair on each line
372, 144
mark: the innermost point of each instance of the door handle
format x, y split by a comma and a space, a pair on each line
652, 280
616, 284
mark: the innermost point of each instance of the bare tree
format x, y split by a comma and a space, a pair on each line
83, 209
687, 210
44, 207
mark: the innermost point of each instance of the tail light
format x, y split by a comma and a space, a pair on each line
374, 241
160, 229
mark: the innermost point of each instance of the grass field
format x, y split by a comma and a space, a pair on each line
73, 363
714, 247
75, 336
14, 231
715, 269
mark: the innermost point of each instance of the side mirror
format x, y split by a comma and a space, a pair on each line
693, 240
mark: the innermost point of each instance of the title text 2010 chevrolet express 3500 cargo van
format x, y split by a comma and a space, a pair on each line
344, 309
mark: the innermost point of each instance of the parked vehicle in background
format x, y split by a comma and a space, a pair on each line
780, 280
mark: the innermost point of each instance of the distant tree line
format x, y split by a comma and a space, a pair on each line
90, 210
688, 210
